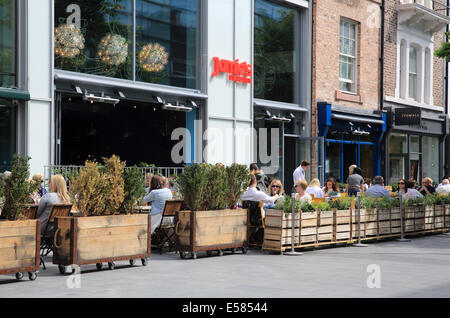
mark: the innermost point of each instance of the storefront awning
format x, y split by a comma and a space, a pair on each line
14, 94
279, 105
358, 119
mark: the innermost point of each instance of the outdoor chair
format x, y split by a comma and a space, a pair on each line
30, 211
166, 230
48, 234
256, 222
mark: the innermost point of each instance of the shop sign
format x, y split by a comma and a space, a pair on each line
238, 72
408, 117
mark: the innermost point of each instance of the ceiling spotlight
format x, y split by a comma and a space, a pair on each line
368, 125
178, 108
121, 95
268, 114
193, 104
101, 99
292, 116
159, 99
77, 89
351, 124
280, 119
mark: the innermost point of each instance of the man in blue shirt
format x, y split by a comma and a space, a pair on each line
378, 190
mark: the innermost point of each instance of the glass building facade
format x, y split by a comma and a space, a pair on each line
8, 43
153, 42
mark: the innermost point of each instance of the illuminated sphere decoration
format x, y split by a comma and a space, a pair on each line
113, 50
153, 57
69, 41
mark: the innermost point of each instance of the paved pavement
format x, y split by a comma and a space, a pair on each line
420, 268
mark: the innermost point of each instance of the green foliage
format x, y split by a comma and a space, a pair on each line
134, 189
341, 186
113, 171
237, 179
394, 187
215, 194
285, 204
387, 203
146, 165
2, 188
307, 207
444, 50
369, 203
445, 199
413, 202
341, 203
322, 206
192, 183
17, 189
431, 199
90, 190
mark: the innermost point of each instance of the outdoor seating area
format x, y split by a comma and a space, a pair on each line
105, 220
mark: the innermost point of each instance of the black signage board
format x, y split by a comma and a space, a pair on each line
408, 116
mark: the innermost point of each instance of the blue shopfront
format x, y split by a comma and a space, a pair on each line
351, 138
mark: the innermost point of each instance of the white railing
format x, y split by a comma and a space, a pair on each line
436, 5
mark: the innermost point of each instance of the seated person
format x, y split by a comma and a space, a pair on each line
157, 196
314, 189
275, 188
411, 193
378, 190
427, 186
58, 194
444, 187
302, 196
331, 190
253, 194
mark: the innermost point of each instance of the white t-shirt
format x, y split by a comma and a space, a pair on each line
299, 174
306, 198
316, 191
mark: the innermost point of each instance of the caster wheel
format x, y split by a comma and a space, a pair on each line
19, 276
144, 262
220, 253
99, 266
209, 253
183, 255
32, 276
132, 262
244, 250
194, 255
62, 269
111, 266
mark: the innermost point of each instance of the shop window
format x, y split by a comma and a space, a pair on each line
430, 157
97, 37
166, 42
8, 43
348, 56
398, 156
274, 47
7, 134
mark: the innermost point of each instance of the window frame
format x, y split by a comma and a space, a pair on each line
354, 82
416, 74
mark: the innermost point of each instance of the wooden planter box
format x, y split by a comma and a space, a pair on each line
206, 231
439, 217
343, 225
101, 239
308, 227
20, 247
278, 230
447, 215
395, 221
326, 230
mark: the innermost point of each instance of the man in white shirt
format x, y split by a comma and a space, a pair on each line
299, 173
253, 194
444, 187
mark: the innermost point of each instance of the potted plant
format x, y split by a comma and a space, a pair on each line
19, 238
134, 189
342, 208
102, 234
211, 222
278, 225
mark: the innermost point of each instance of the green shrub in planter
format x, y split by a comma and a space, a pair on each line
413, 202
322, 206
192, 183
341, 203
394, 187
17, 189
237, 178
307, 207
430, 199
215, 193
445, 199
134, 189
285, 205
369, 203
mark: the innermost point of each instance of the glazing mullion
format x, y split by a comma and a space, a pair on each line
134, 42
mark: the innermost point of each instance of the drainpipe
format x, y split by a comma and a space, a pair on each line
446, 142
383, 14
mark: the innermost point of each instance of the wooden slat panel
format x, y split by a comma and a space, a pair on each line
17, 253
309, 222
111, 231
309, 231
11, 224
25, 240
325, 237
112, 221
8, 264
343, 236
18, 231
309, 238
211, 240
222, 213
325, 229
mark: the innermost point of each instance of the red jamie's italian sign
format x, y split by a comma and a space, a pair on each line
239, 72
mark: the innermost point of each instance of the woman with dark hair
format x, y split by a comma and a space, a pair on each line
402, 189
331, 190
157, 196
411, 192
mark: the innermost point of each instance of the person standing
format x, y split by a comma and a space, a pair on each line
355, 182
299, 173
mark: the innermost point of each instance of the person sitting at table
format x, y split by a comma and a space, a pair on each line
411, 192
331, 190
314, 189
253, 194
378, 190
41, 191
58, 194
157, 196
302, 196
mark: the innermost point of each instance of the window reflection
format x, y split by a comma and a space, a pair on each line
274, 52
7, 43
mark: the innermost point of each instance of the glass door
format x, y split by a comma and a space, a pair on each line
414, 158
